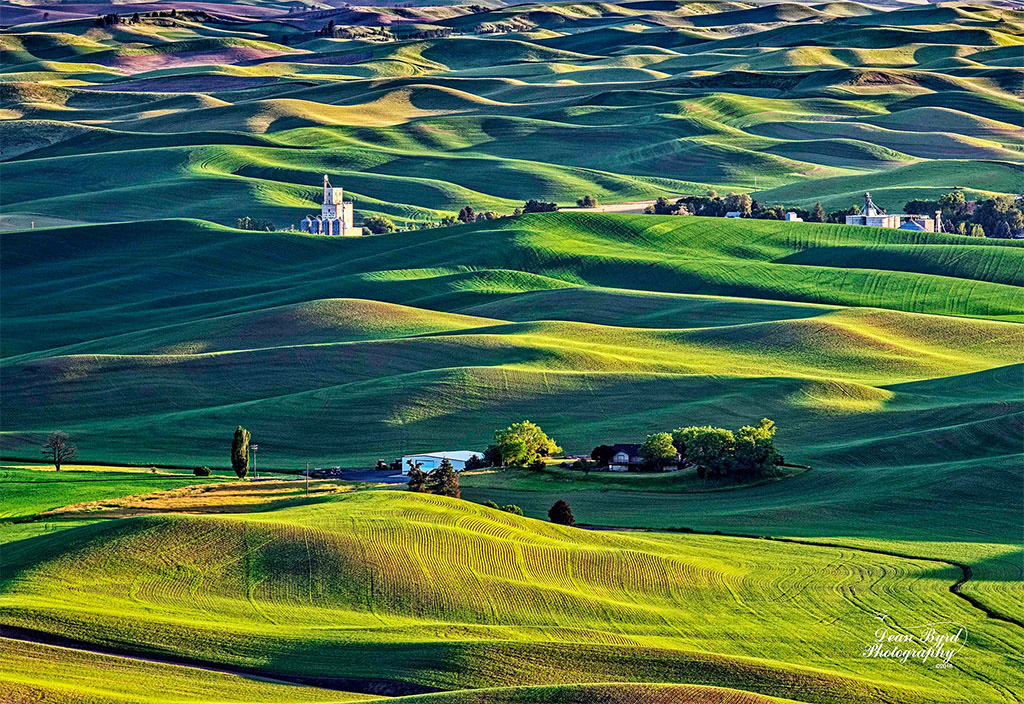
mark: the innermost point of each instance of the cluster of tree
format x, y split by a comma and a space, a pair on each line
380, 33
112, 19
507, 508
718, 452
713, 205
537, 206
745, 453
587, 201
521, 444
1002, 216
443, 481
255, 224
467, 215
436, 33
203, 471
378, 224
518, 23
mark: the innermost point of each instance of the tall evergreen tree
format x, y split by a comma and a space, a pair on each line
444, 481
417, 477
240, 452
818, 214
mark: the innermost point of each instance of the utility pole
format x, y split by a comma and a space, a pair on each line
254, 473
307, 479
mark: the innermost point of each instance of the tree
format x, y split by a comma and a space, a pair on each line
754, 449
522, 443
740, 203
57, 449
475, 462
492, 456
602, 454
1014, 220
561, 513
240, 452
818, 214
417, 477
201, 471
513, 509
467, 214
952, 201
444, 481
709, 448
663, 207
658, 449
587, 201
536, 206
490, 504
378, 224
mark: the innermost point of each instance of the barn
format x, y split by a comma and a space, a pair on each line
432, 460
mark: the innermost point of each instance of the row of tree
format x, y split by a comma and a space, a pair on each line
714, 206
1002, 216
254, 224
718, 452
381, 224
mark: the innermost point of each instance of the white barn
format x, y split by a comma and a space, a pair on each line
432, 460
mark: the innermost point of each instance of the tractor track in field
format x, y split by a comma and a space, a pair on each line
360, 685
966, 573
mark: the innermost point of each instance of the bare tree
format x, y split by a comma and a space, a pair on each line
57, 449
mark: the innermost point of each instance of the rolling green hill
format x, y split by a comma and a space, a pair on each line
323, 589
794, 103
361, 359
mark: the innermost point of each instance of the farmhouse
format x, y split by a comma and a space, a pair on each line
335, 216
432, 460
874, 216
626, 455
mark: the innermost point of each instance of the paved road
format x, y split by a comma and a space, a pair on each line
371, 475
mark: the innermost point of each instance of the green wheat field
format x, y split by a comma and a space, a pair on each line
138, 319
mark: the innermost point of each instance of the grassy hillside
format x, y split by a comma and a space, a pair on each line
236, 109
655, 321
323, 588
